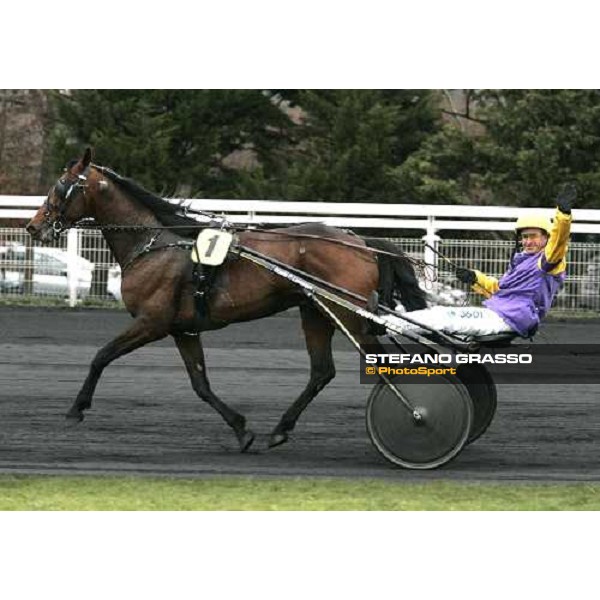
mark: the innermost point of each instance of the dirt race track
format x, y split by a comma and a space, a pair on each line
146, 418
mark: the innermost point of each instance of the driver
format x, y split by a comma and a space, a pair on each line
521, 298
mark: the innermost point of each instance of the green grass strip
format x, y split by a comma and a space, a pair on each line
56, 302
53, 493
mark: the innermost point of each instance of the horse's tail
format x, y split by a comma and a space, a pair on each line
397, 274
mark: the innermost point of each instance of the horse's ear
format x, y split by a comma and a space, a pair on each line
87, 157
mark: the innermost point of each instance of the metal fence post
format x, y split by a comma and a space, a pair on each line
431, 238
73, 265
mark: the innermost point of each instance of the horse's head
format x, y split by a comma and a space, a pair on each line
66, 202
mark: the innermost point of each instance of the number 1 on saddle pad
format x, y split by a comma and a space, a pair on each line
212, 246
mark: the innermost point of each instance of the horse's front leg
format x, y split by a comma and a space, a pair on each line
190, 348
142, 332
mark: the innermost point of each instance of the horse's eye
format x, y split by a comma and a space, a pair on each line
60, 188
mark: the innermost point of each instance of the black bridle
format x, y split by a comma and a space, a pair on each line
64, 189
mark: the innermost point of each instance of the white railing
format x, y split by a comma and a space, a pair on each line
429, 219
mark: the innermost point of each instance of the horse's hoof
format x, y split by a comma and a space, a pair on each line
277, 439
72, 420
246, 440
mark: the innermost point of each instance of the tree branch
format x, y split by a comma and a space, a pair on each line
466, 116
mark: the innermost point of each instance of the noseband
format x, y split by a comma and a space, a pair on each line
63, 189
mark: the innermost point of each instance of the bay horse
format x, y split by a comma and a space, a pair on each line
158, 288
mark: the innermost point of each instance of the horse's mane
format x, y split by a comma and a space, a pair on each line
165, 212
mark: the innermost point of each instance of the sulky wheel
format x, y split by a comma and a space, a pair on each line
446, 412
481, 388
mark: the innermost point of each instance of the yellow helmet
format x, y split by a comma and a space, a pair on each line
534, 219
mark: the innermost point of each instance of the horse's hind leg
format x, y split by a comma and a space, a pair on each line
142, 332
190, 348
318, 331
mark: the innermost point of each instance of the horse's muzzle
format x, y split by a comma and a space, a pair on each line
40, 232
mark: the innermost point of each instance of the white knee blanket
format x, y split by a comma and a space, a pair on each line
462, 320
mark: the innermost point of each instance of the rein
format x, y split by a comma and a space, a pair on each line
416, 262
425, 269
148, 247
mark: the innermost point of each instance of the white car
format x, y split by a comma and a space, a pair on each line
440, 290
113, 285
438, 293
589, 287
50, 271
441, 293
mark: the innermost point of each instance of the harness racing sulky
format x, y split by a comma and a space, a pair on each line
185, 272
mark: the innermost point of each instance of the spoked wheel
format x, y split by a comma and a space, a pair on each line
481, 388
446, 414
